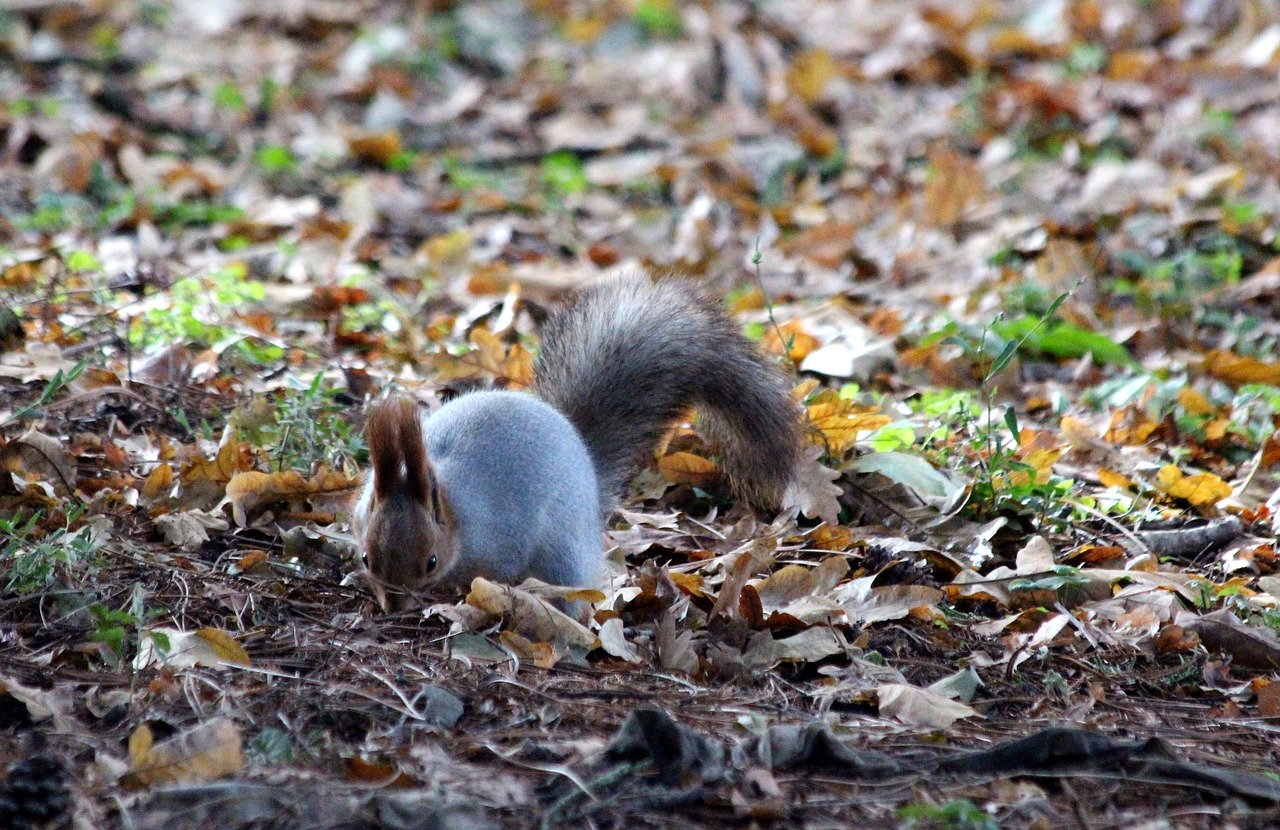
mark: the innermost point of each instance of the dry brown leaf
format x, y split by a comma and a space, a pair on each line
375, 148
251, 490
1238, 371
530, 615
207, 752
956, 185
864, 603
754, 558
795, 582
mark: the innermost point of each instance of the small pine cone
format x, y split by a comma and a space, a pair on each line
35, 795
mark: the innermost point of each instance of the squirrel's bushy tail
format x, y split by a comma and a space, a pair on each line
631, 355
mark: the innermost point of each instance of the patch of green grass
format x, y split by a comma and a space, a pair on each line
31, 560
197, 307
659, 19
957, 814
563, 175
227, 96
276, 158
301, 428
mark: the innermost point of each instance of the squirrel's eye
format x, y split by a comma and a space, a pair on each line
431, 564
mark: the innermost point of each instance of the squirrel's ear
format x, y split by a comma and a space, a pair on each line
419, 479
393, 429
382, 431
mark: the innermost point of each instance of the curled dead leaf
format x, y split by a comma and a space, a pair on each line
207, 752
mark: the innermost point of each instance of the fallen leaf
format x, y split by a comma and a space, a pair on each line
813, 491
920, 708
209, 751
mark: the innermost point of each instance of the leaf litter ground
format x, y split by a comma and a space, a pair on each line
1023, 260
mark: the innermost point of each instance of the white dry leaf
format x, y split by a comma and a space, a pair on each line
209, 647
1035, 557
53, 705
189, 529
962, 685
614, 643
1033, 644
40, 361
462, 617
812, 490
921, 708
675, 647
913, 472
864, 603
661, 521
808, 646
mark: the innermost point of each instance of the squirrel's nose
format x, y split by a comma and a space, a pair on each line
391, 599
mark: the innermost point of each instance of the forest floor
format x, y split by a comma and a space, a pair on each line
1021, 258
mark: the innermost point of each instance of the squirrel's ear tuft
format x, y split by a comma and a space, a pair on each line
382, 432
419, 478
396, 449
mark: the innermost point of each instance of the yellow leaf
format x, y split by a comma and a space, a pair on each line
450, 249
1199, 489
158, 483
687, 468
809, 74
1110, 478
488, 351
838, 422
140, 743
804, 389
583, 30
224, 646
1194, 402
1043, 461
518, 367
689, 582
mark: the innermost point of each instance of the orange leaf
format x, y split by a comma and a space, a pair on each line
1110, 478
789, 338
687, 468
1238, 371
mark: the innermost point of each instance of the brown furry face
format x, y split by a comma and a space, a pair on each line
407, 547
409, 538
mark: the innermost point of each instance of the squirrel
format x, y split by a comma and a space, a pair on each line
508, 484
